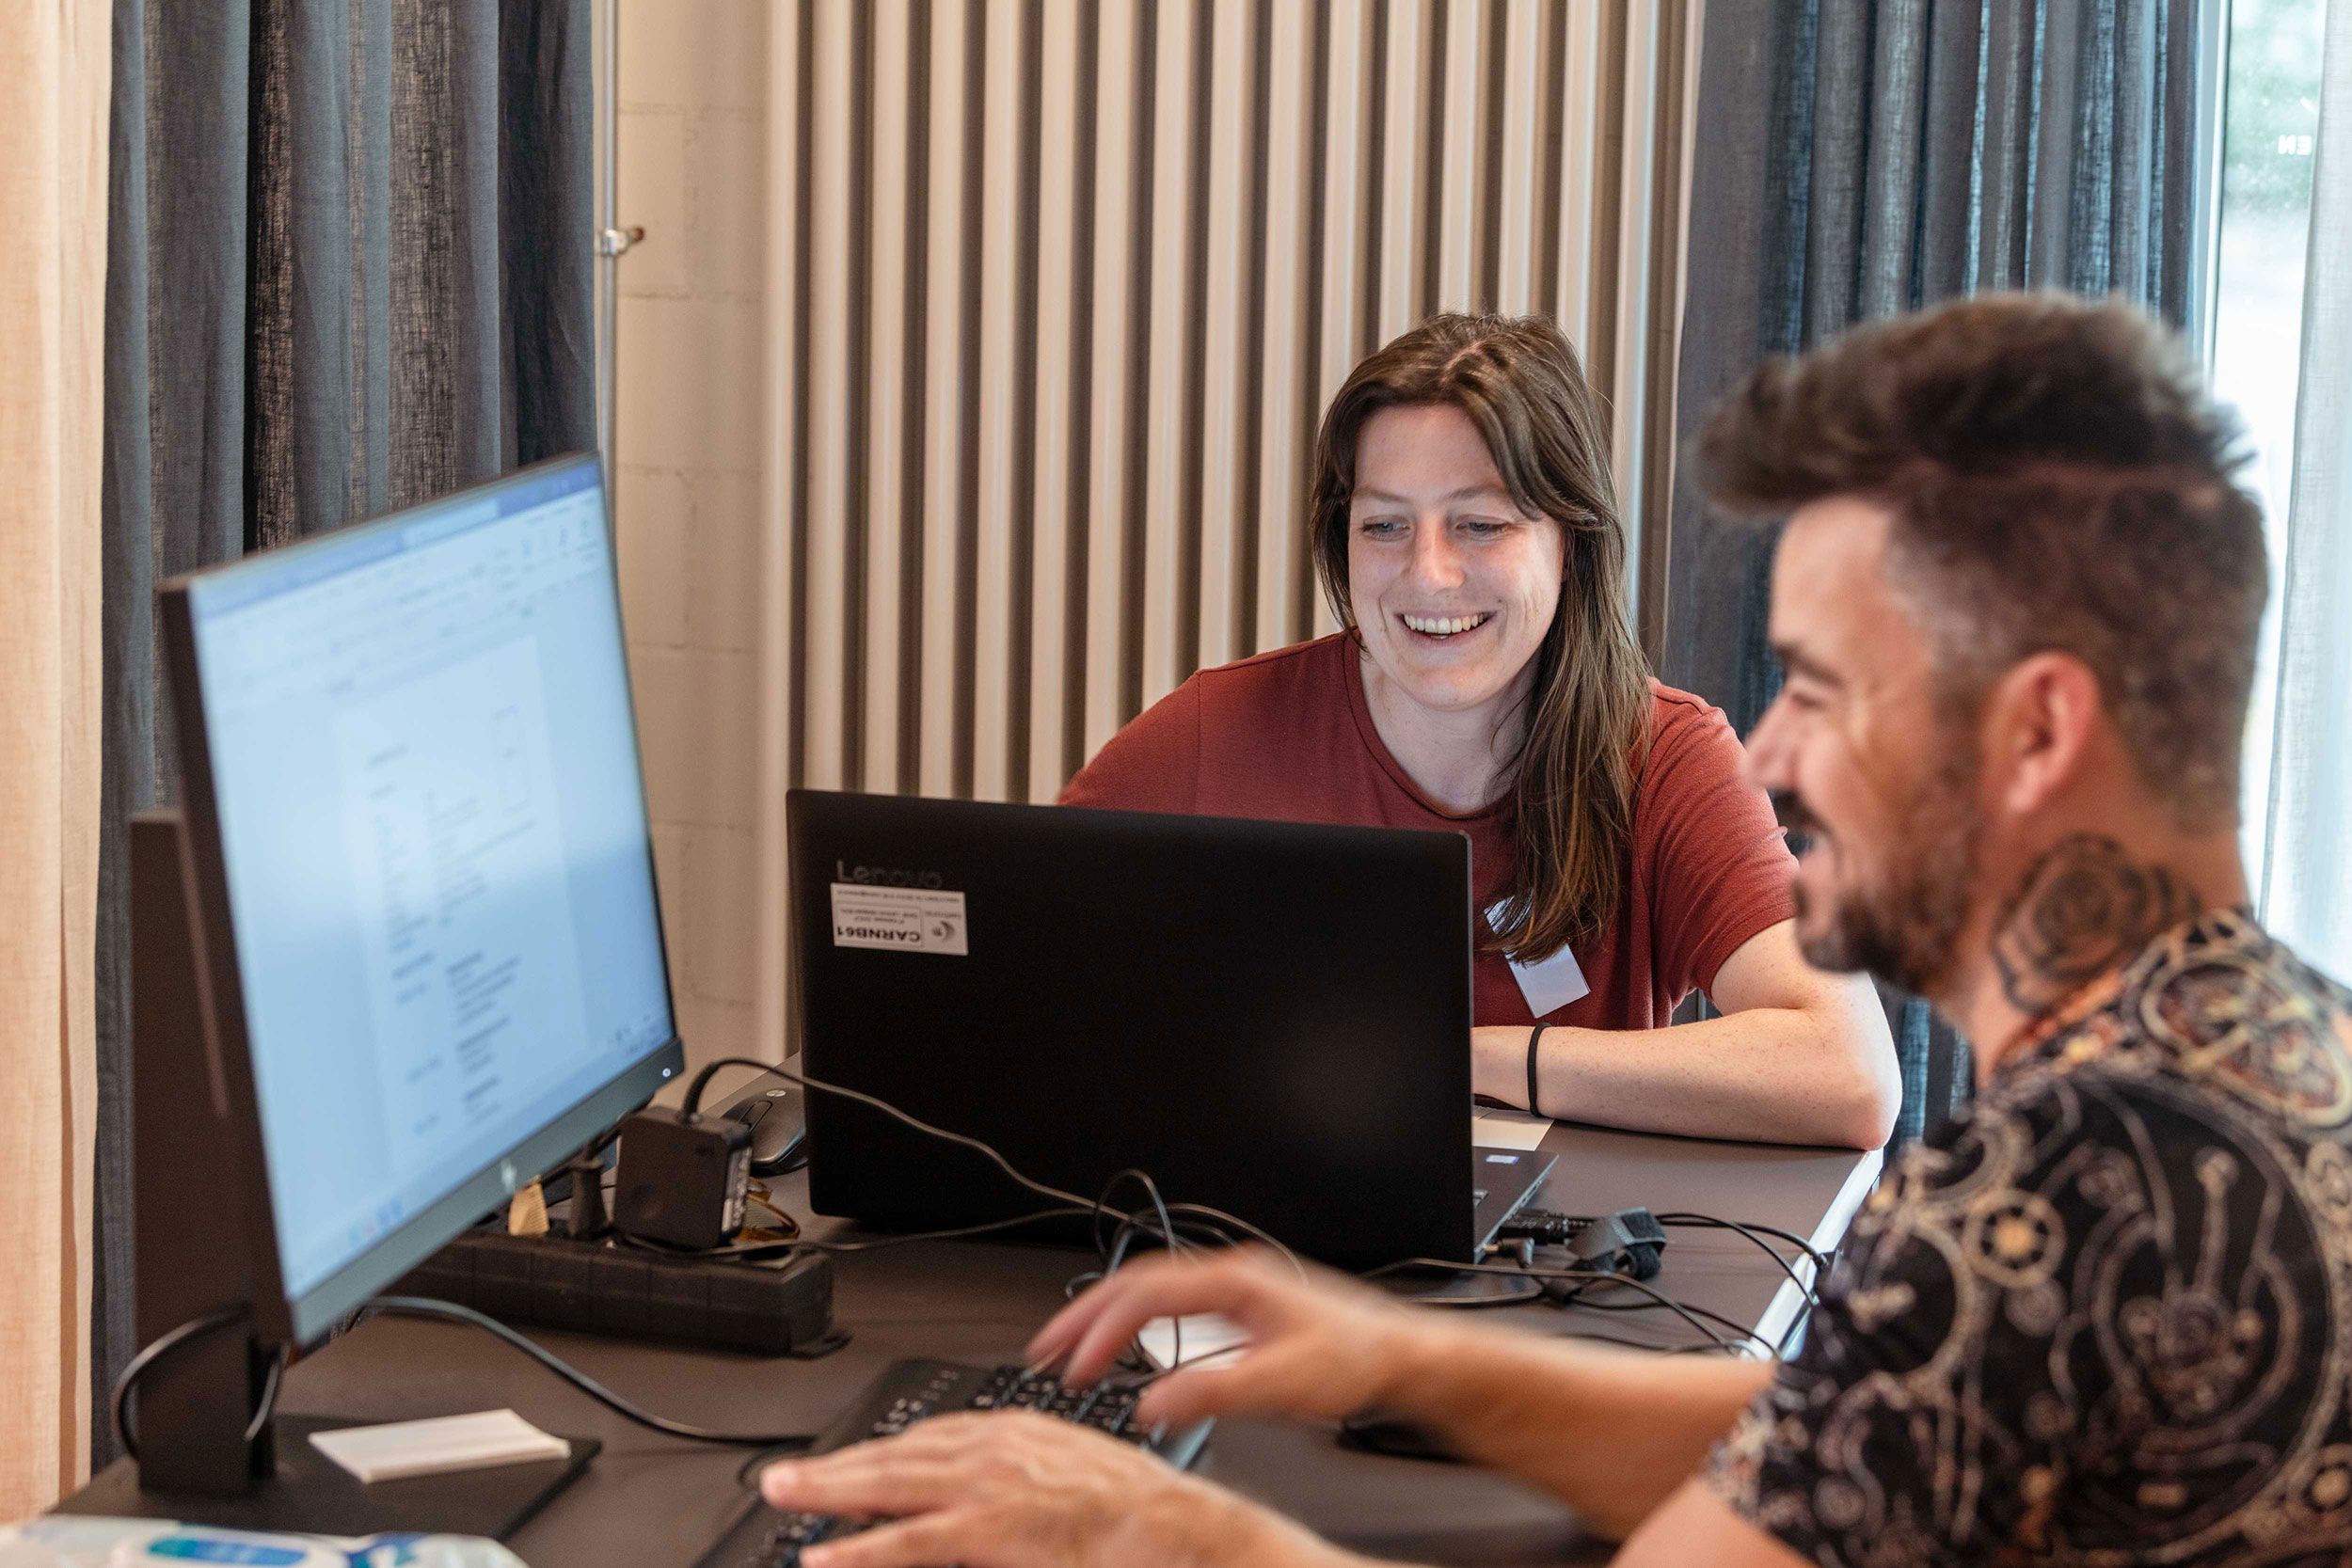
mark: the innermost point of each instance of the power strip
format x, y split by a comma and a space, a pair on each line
782, 1309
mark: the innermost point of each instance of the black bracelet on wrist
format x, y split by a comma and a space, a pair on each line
1535, 1038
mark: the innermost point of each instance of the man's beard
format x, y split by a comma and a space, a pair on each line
1901, 926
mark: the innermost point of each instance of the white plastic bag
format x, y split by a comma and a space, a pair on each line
67, 1541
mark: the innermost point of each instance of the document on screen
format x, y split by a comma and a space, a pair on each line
469, 957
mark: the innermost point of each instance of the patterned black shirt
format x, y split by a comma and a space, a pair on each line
2105, 1314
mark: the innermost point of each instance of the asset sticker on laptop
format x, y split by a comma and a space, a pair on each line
1550, 984
899, 919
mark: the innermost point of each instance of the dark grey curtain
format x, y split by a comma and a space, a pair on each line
350, 267
1856, 160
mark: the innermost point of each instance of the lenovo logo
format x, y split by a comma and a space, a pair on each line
885, 876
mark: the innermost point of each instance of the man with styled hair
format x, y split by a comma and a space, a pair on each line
2102, 1315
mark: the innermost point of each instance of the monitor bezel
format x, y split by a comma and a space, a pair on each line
302, 1321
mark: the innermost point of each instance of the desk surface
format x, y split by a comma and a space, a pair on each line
650, 1500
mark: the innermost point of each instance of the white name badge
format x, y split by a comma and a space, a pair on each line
1547, 986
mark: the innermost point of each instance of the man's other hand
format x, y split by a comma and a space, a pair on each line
1319, 1347
1019, 1490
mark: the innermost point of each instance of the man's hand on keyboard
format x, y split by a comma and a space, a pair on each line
1320, 1347
1017, 1490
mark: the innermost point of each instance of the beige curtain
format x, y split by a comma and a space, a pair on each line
54, 71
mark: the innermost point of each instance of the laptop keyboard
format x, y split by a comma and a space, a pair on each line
911, 1391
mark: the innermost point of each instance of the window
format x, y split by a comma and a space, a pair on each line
2269, 146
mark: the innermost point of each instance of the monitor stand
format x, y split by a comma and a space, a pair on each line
307, 1493
201, 1456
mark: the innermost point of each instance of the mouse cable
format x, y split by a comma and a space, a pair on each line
1619, 1340
1695, 1317
1755, 1232
1115, 1253
1808, 1291
1100, 1209
426, 1306
1551, 1228
875, 1243
1584, 1281
1136, 1221
1111, 1249
1156, 1373
1192, 1237
1585, 1278
1219, 1216
1119, 1241
989, 1151
694, 1094
1579, 1294
1546, 1228
1575, 1296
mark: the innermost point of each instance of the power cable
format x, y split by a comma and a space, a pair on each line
426, 1306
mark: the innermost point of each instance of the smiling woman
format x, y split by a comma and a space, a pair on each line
1460, 589
1466, 530
1467, 461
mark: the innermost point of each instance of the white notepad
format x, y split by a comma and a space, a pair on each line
1495, 1127
403, 1448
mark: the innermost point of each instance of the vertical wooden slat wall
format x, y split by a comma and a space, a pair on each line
1062, 288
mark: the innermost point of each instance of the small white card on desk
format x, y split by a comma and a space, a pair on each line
1498, 1128
403, 1449
1550, 984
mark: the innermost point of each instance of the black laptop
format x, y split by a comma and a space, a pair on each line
1269, 1017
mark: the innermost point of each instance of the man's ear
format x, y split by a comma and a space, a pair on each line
2037, 729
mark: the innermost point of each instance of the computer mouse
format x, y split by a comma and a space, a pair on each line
779, 1135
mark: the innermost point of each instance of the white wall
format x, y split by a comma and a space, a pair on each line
692, 172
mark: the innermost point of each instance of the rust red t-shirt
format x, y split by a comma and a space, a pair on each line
1287, 735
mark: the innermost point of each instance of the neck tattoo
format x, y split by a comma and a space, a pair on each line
2084, 909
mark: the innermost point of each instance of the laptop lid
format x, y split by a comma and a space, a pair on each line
1269, 1017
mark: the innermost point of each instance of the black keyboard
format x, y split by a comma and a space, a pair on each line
908, 1392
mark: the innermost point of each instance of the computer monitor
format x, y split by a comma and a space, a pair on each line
422, 880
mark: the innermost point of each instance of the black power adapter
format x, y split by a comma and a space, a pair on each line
682, 1179
1628, 1242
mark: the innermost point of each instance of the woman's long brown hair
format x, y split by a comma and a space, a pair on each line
1573, 780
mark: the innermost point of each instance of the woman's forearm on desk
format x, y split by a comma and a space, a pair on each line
1752, 1076
1798, 1057
1611, 1434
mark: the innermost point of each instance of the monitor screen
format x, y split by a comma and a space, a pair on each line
424, 770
